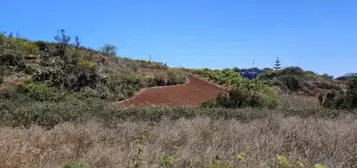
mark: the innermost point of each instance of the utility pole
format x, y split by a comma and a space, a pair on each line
253, 62
150, 58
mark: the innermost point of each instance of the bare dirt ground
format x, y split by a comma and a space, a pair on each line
192, 94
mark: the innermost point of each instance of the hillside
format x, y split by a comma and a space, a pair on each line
53, 71
67, 106
73, 68
192, 94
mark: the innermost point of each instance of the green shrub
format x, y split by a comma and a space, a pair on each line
12, 59
41, 91
238, 98
2, 38
87, 65
57, 72
246, 94
124, 85
226, 76
289, 82
31, 48
99, 92
340, 99
282, 162
150, 82
334, 99
31, 68
44, 46
176, 76
292, 71
161, 78
52, 70
26, 112
352, 92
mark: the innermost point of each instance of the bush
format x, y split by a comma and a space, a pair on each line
31, 48
248, 94
100, 92
124, 85
352, 92
226, 76
289, 82
87, 65
44, 46
110, 50
169, 77
16, 112
333, 99
41, 91
52, 70
12, 59
238, 98
340, 99
161, 78
176, 76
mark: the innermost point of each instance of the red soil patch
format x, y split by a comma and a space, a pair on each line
192, 94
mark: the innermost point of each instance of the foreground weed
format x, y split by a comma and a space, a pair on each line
319, 166
76, 165
282, 162
167, 162
137, 159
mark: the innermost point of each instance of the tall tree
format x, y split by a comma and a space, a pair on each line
77, 43
62, 40
277, 64
109, 49
11, 36
17, 34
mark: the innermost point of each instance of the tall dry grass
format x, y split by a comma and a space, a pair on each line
328, 141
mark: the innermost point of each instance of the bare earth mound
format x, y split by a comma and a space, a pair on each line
191, 94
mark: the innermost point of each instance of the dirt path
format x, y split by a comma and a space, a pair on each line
191, 94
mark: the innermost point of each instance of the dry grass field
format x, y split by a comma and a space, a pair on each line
188, 143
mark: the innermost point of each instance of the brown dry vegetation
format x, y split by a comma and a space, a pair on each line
12, 80
328, 141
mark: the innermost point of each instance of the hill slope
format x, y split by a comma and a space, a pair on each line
195, 92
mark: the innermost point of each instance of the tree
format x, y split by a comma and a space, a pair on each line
109, 49
236, 69
277, 64
17, 34
62, 40
11, 36
77, 43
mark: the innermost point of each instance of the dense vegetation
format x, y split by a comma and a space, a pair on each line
72, 69
66, 72
247, 93
296, 80
290, 80
223, 77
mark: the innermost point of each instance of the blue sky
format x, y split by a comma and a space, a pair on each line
319, 35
